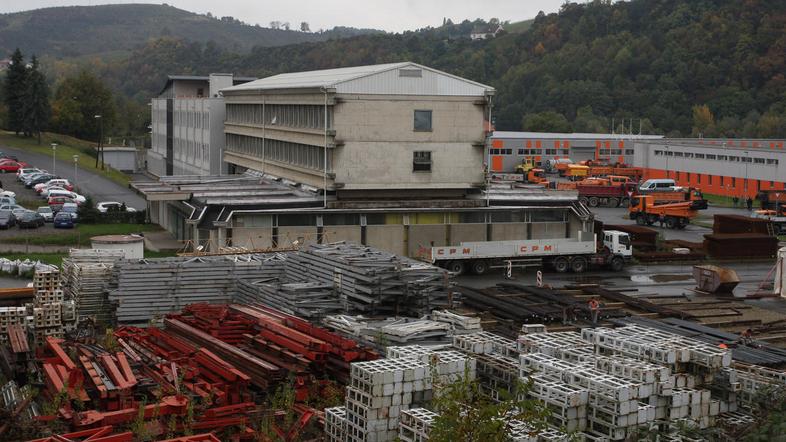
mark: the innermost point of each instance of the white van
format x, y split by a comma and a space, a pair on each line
658, 185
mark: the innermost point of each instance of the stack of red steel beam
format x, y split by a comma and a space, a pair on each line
216, 321
168, 360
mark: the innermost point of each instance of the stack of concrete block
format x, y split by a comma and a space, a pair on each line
485, 343
48, 287
13, 316
378, 392
497, 374
335, 424
415, 424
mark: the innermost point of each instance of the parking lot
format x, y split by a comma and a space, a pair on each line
29, 199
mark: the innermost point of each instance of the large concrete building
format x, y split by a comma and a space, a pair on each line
389, 156
187, 120
362, 131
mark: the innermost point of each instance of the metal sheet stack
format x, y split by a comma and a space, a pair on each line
371, 280
310, 300
86, 278
148, 288
735, 236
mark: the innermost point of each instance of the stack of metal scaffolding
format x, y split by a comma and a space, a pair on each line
310, 300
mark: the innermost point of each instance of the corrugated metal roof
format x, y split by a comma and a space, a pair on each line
373, 79
575, 136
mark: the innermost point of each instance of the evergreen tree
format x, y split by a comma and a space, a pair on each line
36, 109
15, 91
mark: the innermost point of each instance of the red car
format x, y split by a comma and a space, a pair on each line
11, 166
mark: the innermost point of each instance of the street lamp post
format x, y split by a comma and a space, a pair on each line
100, 141
747, 157
54, 149
76, 176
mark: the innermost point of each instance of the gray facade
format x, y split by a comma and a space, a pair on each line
397, 126
188, 126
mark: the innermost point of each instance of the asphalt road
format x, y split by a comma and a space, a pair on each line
87, 182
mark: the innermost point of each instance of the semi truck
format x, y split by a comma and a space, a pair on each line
562, 254
674, 215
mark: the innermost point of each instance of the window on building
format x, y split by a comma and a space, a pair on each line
688, 178
733, 182
698, 178
699, 156
200, 92
758, 160
658, 153
521, 151
711, 157
678, 154
709, 180
508, 151
628, 151
421, 161
423, 121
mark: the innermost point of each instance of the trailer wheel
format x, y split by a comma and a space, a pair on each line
617, 264
683, 223
456, 267
578, 265
583, 200
479, 267
593, 201
560, 265
613, 202
672, 222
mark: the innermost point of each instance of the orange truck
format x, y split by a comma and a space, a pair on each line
576, 172
596, 192
674, 215
678, 196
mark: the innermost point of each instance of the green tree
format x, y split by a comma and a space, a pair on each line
587, 122
77, 102
548, 121
703, 121
468, 414
15, 90
36, 108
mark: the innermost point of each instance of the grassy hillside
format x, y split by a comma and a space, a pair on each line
75, 31
519, 26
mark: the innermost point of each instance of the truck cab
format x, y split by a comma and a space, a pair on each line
618, 243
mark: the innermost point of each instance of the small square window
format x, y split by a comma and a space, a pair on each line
421, 161
423, 121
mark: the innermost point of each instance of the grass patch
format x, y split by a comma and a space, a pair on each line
519, 26
66, 149
80, 235
722, 201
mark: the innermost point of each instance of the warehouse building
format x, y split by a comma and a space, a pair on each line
362, 132
725, 167
506, 150
187, 125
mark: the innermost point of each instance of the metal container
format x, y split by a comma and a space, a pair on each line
714, 279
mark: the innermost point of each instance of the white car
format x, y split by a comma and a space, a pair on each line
56, 182
15, 208
45, 191
112, 206
24, 172
79, 199
7, 193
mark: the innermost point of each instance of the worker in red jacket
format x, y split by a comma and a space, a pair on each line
594, 306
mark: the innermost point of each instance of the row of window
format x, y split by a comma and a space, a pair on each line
722, 181
286, 115
190, 151
191, 118
296, 154
605, 152
702, 156
370, 219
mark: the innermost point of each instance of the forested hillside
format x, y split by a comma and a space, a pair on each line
681, 67
107, 30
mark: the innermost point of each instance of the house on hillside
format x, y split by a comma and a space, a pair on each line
486, 31
5, 63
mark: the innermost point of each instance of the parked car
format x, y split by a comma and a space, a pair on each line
45, 191
72, 209
63, 220
11, 166
36, 179
5, 156
112, 206
79, 199
56, 202
7, 193
15, 208
25, 172
57, 182
7, 219
47, 213
30, 220
7, 200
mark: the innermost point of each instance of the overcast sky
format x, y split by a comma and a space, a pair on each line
390, 15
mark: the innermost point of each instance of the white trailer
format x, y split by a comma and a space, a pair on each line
563, 254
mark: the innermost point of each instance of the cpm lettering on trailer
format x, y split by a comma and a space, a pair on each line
453, 251
535, 248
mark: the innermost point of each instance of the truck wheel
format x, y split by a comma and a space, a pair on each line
641, 220
617, 264
613, 202
560, 265
593, 201
671, 222
456, 267
652, 219
479, 267
578, 265
625, 202
683, 223
583, 200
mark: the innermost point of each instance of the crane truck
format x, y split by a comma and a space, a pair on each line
644, 210
561, 254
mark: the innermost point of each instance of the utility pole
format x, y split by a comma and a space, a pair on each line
54, 149
76, 176
100, 137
